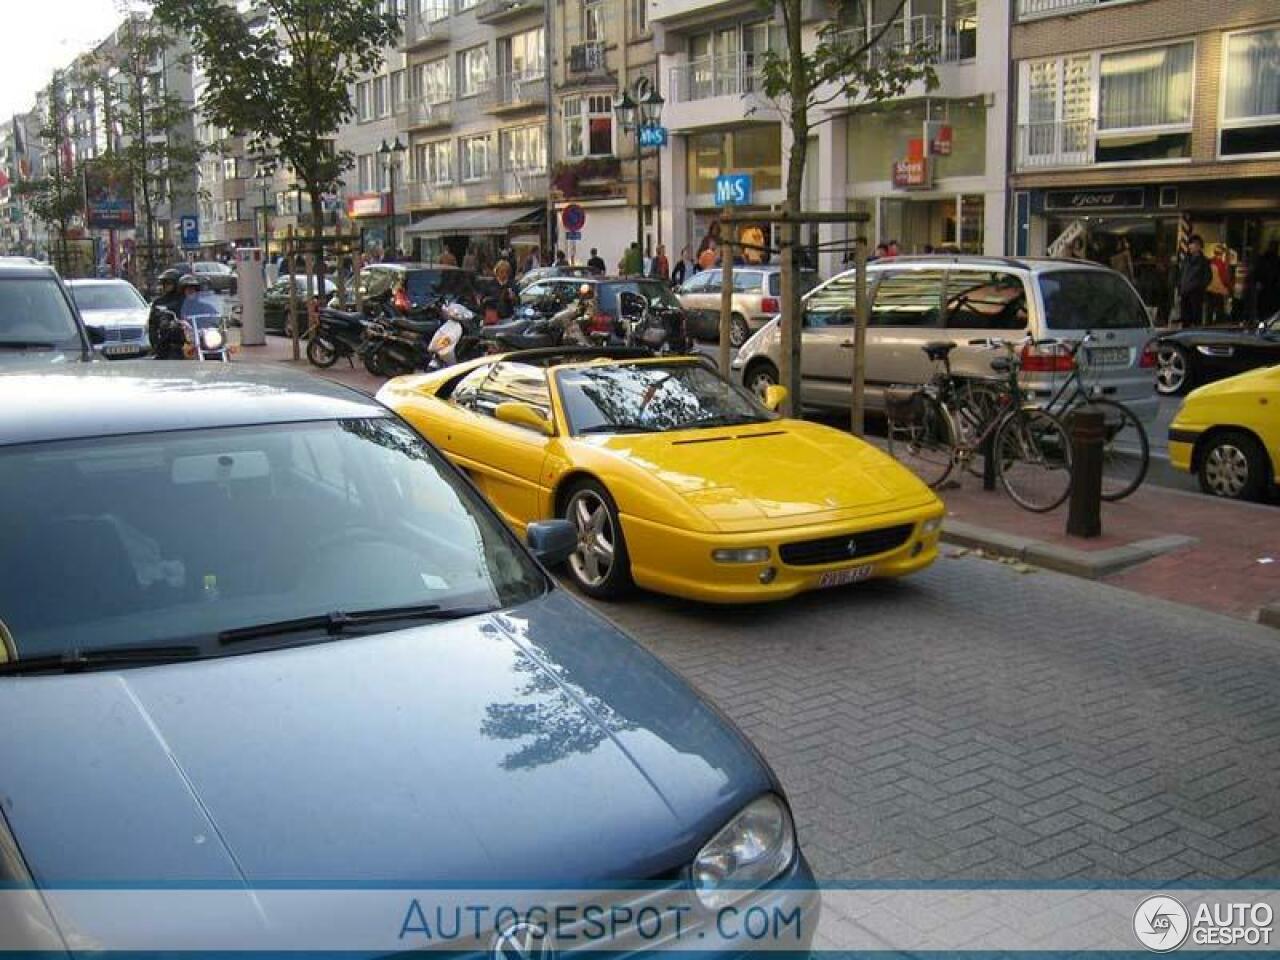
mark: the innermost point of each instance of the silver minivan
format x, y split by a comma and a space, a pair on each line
918, 299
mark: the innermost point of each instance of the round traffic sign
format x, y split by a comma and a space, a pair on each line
573, 217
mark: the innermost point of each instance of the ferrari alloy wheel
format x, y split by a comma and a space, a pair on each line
1173, 375
1233, 465
600, 565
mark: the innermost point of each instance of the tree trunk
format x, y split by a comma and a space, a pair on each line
790, 373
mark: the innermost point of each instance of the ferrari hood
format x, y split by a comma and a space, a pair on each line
772, 474
540, 746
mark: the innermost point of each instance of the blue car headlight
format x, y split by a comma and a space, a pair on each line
753, 848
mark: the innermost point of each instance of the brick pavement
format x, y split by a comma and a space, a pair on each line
974, 723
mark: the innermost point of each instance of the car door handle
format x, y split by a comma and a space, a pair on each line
846, 344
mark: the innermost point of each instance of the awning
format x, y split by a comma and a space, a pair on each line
481, 220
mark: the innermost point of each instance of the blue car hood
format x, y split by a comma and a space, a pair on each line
535, 746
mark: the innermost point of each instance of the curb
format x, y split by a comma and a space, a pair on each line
1088, 564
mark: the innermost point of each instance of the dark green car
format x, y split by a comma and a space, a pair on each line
275, 302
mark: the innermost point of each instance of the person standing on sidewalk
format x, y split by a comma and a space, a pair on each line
1218, 293
1193, 280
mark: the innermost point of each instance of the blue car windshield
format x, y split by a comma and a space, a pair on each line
171, 538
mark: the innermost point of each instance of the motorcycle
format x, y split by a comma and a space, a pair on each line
396, 345
458, 338
338, 334
199, 333
654, 325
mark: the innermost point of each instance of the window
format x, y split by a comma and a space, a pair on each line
588, 126
365, 172
362, 101
980, 299
231, 168
593, 21
474, 153
639, 17
1251, 93
522, 54
460, 5
756, 150
482, 391
381, 102
907, 299
433, 162
230, 210
473, 70
525, 149
431, 81
1089, 300
397, 90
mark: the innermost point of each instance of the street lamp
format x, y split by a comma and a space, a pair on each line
262, 228
391, 154
635, 117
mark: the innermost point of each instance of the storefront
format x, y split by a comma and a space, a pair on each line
752, 150
370, 217
476, 236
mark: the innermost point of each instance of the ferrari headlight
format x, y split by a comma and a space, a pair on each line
750, 850
211, 339
744, 555
932, 525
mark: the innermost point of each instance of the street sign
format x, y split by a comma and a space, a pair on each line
653, 136
573, 234
190, 229
574, 218
733, 190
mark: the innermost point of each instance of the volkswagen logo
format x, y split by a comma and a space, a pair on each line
524, 941
852, 548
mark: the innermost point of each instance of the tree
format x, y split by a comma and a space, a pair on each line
138, 109
283, 80
57, 196
843, 67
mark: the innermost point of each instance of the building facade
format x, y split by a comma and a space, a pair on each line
1139, 123
861, 156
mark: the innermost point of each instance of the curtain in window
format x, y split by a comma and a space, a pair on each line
1145, 88
1253, 75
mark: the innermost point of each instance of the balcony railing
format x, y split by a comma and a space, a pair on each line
430, 24
524, 183
1068, 143
730, 76
513, 91
949, 41
1028, 9
420, 115
495, 11
423, 194
587, 57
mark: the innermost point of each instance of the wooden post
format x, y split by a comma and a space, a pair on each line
857, 407
727, 246
293, 294
789, 371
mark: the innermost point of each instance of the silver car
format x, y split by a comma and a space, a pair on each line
756, 293
118, 309
919, 299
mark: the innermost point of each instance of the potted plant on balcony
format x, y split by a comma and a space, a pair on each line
590, 175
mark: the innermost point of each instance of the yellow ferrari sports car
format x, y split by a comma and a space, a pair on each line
677, 481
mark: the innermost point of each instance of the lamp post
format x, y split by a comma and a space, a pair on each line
635, 116
262, 228
391, 154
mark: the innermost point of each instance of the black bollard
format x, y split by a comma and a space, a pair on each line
989, 460
1088, 429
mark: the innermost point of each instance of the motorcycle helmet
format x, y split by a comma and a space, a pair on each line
169, 277
189, 280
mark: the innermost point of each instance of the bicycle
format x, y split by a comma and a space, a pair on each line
935, 428
1126, 452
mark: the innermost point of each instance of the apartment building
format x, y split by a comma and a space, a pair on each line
1140, 121
928, 168
375, 193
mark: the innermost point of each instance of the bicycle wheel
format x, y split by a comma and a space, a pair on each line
1033, 459
978, 403
1126, 452
922, 439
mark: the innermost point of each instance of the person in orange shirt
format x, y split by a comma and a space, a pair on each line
707, 258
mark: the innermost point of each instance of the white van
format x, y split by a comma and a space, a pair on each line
915, 300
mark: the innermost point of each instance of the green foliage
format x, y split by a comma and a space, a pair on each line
283, 80
57, 197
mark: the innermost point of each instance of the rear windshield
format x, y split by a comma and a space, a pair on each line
107, 296
34, 311
649, 289
429, 284
1090, 300
808, 280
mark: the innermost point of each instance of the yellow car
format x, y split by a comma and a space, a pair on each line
1228, 433
676, 480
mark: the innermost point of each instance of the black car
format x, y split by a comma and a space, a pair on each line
275, 301
1188, 358
409, 288
606, 291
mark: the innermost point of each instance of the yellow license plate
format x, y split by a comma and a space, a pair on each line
838, 578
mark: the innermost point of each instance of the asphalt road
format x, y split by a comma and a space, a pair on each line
977, 723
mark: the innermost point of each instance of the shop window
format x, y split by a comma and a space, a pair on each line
1251, 97
756, 150
985, 300
910, 298
877, 138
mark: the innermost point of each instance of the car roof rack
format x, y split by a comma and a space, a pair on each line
550, 356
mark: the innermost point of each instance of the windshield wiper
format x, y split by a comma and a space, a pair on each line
339, 621
100, 658
616, 428
721, 420
27, 345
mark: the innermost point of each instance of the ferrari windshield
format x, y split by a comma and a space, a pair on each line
645, 397
152, 540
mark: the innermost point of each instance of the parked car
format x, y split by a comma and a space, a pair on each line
545, 273
217, 277
410, 287
1228, 435
677, 480
275, 301
1196, 355
258, 630
117, 309
605, 291
915, 300
756, 293
39, 322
